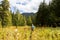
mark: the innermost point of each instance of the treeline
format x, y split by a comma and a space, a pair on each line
49, 15
7, 18
20, 20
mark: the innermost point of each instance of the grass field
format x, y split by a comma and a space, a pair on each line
24, 33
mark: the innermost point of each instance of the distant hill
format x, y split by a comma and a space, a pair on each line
28, 14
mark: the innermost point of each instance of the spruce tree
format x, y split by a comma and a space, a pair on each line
29, 21
55, 10
42, 14
6, 16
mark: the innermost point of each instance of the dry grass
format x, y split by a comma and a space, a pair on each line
24, 33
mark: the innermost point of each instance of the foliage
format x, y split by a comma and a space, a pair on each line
48, 14
29, 21
42, 14
5, 13
55, 8
18, 19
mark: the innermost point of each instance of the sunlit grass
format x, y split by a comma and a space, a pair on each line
24, 33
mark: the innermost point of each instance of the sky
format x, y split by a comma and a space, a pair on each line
25, 5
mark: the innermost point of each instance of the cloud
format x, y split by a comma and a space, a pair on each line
25, 5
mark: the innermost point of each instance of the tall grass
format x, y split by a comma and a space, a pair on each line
24, 33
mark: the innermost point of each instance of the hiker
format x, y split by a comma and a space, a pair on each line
32, 27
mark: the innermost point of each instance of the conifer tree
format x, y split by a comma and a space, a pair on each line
29, 21
42, 14
6, 16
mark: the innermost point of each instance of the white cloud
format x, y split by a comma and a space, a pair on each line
26, 5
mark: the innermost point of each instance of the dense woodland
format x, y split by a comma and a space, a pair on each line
47, 15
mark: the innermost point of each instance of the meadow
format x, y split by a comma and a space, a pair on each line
25, 33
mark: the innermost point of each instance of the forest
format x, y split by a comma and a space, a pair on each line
47, 15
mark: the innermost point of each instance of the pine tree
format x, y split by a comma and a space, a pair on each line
6, 16
22, 20
42, 14
55, 10
18, 19
29, 21
55, 6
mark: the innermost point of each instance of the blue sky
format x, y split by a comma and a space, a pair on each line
26, 5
